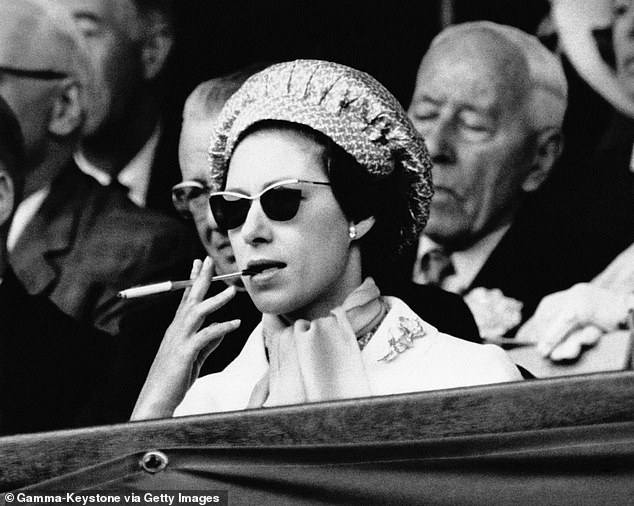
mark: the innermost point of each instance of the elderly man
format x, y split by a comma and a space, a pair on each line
73, 240
490, 102
50, 365
129, 42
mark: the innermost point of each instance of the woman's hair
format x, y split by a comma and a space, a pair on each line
379, 163
360, 196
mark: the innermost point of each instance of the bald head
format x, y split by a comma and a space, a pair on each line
524, 64
489, 101
199, 118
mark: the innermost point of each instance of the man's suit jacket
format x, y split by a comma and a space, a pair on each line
568, 234
50, 364
87, 242
538, 255
533, 259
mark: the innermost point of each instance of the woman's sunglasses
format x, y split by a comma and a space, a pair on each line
189, 196
280, 202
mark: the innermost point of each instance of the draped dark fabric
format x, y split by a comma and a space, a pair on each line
571, 465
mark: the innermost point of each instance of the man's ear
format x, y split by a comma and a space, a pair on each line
364, 226
157, 43
66, 115
548, 150
7, 197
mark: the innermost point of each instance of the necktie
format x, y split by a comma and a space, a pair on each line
118, 186
435, 266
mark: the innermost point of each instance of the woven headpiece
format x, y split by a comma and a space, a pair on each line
348, 106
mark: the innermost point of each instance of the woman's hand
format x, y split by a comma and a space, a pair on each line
567, 321
185, 347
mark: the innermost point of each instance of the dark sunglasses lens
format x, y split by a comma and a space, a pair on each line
281, 204
229, 213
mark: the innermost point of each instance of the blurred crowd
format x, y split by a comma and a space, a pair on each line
531, 226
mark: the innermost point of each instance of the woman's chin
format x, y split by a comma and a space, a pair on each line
276, 304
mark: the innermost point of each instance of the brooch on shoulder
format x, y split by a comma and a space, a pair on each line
408, 330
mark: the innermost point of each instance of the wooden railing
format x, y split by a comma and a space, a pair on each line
563, 402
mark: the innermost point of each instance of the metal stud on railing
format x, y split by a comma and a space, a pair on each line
154, 461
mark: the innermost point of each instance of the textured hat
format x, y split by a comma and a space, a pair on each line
350, 107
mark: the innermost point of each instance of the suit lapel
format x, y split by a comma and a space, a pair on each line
46, 237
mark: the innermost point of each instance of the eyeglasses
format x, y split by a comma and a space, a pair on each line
47, 75
279, 201
189, 196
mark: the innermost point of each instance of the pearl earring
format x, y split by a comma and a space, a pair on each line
352, 232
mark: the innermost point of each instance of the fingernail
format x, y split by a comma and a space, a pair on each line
207, 262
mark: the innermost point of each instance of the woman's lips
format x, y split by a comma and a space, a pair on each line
264, 270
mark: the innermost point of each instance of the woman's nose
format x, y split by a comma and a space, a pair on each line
256, 227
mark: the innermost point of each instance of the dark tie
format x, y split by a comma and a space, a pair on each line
117, 187
435, 265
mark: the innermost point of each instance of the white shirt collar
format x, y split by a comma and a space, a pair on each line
467, 263
24, 213
135, 175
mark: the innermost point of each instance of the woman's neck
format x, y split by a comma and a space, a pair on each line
345, 285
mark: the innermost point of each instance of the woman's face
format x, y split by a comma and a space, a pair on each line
312, 267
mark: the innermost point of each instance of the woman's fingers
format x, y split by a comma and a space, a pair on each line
215, 331
214, 303
210, 337
554, 332
198, 312
196, 266
202, 281
571, 348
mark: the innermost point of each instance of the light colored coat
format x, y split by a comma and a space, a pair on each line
434, 361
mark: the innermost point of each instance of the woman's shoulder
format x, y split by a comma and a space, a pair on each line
444, 361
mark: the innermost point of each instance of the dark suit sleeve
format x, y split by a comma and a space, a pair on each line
51, 366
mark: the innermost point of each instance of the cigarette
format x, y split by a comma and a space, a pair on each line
170, 286
500, 341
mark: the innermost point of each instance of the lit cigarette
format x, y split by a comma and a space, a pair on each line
170, 286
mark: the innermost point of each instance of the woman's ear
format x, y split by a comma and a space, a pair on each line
66, 115
362, 227
7, 197
157, 43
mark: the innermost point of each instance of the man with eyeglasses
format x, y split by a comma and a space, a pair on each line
191, 199
73, 240
50, 364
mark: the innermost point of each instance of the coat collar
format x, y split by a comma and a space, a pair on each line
49, 234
